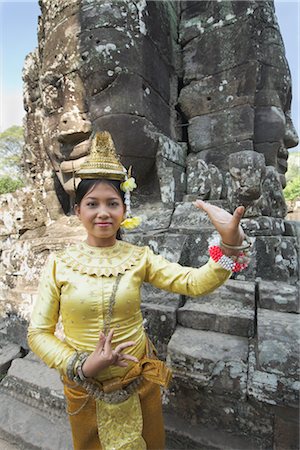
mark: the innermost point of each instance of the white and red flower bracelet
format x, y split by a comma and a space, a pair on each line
232, 263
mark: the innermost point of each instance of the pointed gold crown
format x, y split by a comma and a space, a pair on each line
102, 161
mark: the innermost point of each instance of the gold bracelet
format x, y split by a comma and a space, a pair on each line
245, 246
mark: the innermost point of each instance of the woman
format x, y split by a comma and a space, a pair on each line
111, 375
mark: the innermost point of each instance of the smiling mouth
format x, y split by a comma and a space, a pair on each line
103, 224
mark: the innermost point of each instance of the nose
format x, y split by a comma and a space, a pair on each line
291, 138
74, 126
102, 213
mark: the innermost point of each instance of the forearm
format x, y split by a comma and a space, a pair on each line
50, 349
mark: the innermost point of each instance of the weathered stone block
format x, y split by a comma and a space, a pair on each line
274, 359
277, 258
31, 428
153, 295
170, 246
171, 150
264, 226
155, 217
172, 181
8, 352
211, 360
220, 128
31, 381
199, 407
220, 156
230, 309
146, 102
286, 429
228, 89
188, 218
278, 296
204, 180
160, 322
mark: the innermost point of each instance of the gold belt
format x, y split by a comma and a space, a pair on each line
117, 390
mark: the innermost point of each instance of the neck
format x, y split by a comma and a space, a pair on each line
101, 242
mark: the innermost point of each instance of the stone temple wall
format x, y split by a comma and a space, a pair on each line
197, 96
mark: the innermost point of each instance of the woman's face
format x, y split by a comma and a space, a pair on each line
101, 211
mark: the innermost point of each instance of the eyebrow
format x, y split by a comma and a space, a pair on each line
95, 198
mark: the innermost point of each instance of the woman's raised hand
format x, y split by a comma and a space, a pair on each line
104, 356
227, 225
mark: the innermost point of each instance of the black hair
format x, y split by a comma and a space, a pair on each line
87, 185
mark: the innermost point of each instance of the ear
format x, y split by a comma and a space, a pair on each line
77, 211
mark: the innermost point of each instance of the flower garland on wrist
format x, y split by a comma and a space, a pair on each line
234, 263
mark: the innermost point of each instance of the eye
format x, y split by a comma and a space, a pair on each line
91, 204
114, 203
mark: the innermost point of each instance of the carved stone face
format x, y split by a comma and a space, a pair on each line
274, 132
98, 72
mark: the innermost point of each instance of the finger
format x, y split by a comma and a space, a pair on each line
107, 345
200, 204
121, 347
130, 358
101, 342
237, 215
121, 364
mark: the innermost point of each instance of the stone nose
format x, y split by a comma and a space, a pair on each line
291, 138
74, 126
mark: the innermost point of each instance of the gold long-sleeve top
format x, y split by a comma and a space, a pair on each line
77, 283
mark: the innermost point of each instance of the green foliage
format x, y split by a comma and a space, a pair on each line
293, 166
292, 189
11, 144
8, 184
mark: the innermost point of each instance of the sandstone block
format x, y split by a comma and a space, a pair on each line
160, 322
274, 359
278, 296
231, 88
8, 352
214, 361
187, 218
32, 428
230, 309
220, 128
277, 258
31, 381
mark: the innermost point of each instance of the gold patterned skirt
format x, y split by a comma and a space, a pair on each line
135, 424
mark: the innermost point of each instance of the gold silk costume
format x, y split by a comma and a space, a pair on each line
77, 284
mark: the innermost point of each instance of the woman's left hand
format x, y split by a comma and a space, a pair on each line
227, 225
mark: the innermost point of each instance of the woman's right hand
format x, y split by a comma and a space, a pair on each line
104, 356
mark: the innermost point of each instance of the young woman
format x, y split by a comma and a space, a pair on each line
111, 375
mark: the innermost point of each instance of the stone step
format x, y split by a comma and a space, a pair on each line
30, 428
230, 309
31, 381
33, 412
182, 435
208, 359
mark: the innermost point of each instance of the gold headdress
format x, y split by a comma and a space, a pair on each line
103, 162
